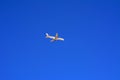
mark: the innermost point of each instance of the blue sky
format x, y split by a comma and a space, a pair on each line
91, 50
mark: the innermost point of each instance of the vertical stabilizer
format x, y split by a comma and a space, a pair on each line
47, 35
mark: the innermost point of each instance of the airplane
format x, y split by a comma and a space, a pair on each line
54, 38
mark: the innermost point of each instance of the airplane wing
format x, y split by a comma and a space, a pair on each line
60, 39
56, 35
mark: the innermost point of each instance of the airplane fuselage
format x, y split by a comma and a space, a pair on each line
54, 38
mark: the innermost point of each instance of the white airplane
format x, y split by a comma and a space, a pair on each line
54, 38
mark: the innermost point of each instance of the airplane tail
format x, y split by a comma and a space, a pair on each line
47, 35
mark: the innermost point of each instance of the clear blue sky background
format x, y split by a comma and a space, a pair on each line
91, 50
